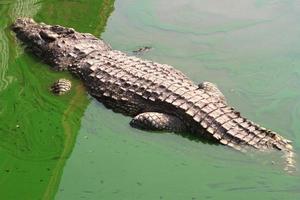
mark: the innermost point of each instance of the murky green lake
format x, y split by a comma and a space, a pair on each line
71, 147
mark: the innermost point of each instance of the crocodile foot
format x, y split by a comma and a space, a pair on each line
61, 86
158, 122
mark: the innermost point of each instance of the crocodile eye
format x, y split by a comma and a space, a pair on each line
48, 36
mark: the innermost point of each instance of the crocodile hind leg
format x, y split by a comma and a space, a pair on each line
213, 90
155, 121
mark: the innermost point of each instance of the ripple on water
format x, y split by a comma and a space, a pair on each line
4, 56
19, 8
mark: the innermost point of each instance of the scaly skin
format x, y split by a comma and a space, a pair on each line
158, 96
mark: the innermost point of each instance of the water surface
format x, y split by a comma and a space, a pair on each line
38, 130
249, 48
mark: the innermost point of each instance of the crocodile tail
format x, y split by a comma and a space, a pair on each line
231, 129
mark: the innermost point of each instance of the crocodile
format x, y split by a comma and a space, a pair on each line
157, 96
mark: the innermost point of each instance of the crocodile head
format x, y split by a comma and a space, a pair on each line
44, 40
56, 45
37, 35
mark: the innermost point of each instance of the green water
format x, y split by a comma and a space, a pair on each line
38, 130
71, 147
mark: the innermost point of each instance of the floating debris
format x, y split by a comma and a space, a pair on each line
142, 50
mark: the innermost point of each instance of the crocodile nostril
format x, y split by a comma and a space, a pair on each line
48, 36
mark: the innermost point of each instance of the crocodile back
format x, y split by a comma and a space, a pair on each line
114, 76
122, 80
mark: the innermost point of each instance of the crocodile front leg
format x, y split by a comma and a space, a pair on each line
155, 121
